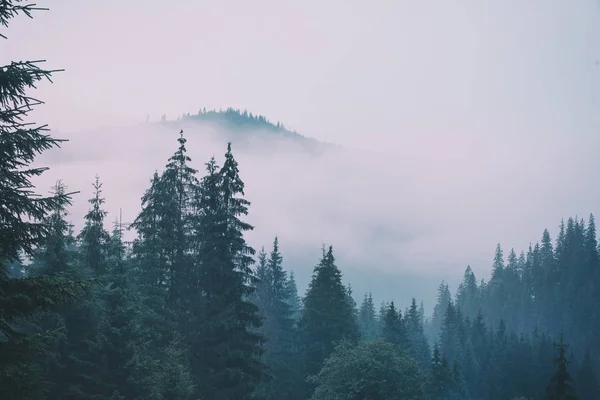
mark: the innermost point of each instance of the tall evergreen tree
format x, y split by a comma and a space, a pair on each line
327, 317
443, 299
21, 226
467, 295
367, 320
293, 298
393, 329
278, 330
94, 237
417, 341
440, 376
561, 387
226, 351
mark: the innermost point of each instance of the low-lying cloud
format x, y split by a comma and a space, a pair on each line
426, 212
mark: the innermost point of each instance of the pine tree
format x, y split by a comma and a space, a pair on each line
180, 187
21, 226
278, 325
55, 255
393, 329
443, 299
149, 265
94, 237
417, 341
327, 317
467, 295
82, 353
129, 366
367, 320
560, 387
293, 298
226, 349
147, 249
260, 296
440, 378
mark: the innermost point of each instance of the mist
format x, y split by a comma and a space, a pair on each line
399, 222
460, 124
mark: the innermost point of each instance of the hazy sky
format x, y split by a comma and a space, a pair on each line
376, 73
488, 112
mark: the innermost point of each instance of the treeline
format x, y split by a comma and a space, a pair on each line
182, 314
189, 311
235, 117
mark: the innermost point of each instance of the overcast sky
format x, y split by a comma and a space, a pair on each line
492, 107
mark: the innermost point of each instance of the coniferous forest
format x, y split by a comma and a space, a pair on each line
189, 310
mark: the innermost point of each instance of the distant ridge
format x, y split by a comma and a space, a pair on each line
237, 120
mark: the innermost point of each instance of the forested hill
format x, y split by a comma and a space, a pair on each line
241, 125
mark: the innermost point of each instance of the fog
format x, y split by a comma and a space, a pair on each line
462, 124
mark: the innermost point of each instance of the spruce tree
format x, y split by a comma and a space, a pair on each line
94, 237
56, 255
279, 356
22, 228
467, 295
393, 329
367, 320
327, 317
417, 341
561, 387
293, 298
129, 365
440, 376
226, 350
443, 299
179, 189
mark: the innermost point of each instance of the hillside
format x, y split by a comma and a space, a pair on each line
242, 126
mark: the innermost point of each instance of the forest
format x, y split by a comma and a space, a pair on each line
188, 310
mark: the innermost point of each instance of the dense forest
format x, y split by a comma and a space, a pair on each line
188, 310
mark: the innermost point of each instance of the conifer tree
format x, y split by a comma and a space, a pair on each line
393, 329
279, 356
179, 187
21, 226
467, 295
94, 237
55, 255
226, 351
147, 250
417, 341
560, 387
367, 320
129, 365
443, 299
440, 378
293, 298
327, 317
262, 282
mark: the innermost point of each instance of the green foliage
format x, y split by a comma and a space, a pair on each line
367, 319
181, 314
371, 370
327, 317
561, 387
393, 329
24, 225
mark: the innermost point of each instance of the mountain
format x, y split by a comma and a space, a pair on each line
307, 192
243, 127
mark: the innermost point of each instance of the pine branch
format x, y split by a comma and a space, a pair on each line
10, 9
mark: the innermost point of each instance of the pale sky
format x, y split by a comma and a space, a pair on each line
353, 72
487, 112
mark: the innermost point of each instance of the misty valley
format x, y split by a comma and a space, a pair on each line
184, 295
